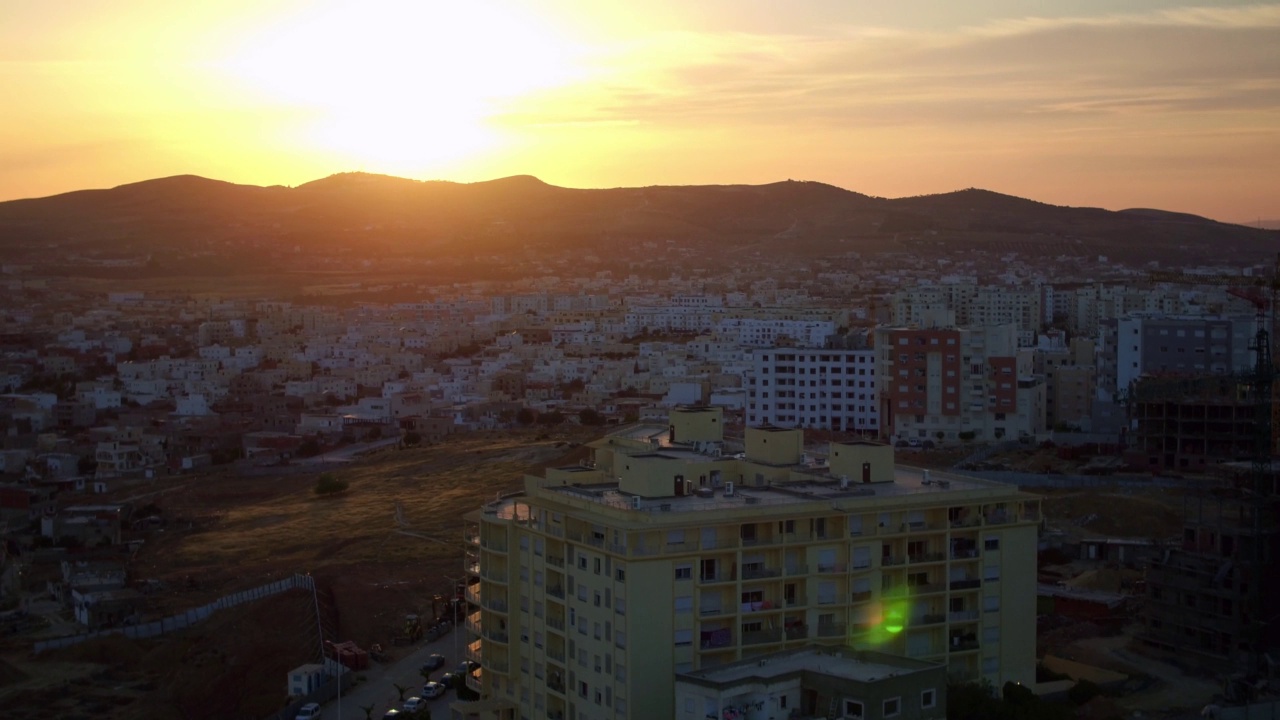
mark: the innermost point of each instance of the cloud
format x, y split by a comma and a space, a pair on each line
1026, 70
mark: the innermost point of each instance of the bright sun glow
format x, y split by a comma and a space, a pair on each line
402, 86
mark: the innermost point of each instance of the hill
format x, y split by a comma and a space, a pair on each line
389, 214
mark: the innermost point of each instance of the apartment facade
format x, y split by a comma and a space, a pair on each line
949, 384
599, 583
814, 388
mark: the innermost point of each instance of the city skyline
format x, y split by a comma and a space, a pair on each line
1100, 105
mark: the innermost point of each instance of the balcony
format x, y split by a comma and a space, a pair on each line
796, 570
927, 588
967, 584
555, 561
756, 573
759, 606
471, 539
555, 624
498, 636
556, 686
828, 568
472, 594
827, 630
723, 577
890, 560
959, 616
796, 601
556, 592
926, 558
474, 681
495, 604
497, 546
494, 576
556, 655
761, 637
958, 645
861, 596
930, 619
474, 652
798, 632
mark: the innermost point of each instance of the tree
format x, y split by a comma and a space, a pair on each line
328, 484
368, 711
400, 689
525, 416
589, 416
375, 433
551, 418
412, 438
309, 448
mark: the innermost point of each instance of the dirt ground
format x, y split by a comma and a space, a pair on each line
225, 533
1147, 513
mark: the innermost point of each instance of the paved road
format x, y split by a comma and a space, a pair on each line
379, 688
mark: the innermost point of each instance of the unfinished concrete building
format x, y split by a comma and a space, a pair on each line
1189, 425
1210, 599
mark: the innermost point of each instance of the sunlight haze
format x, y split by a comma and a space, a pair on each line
1111, 104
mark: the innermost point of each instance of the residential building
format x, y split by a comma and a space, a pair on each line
815, 682
665, 555
814, 388
950, 384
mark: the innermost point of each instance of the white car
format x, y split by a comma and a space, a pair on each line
414, 704
433, 690
310, 711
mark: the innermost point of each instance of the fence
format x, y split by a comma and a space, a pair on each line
1024, 479
188, 618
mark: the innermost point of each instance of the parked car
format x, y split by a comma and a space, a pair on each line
452, 680
434, 662
310, 711
414, 704
433, 690
392, 714
466, 667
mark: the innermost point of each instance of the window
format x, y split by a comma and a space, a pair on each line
597, 598
892, 707
582, 688
991, 573
620, 574
684, 604
991, 603
928, 699
582, 562
597, 563
991, 542
853, 709
684, 572
683, 637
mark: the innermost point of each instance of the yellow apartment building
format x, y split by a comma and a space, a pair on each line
591, 589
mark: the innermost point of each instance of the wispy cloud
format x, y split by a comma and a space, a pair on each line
1192, 60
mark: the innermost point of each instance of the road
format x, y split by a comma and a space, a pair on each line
348, 453
379, 689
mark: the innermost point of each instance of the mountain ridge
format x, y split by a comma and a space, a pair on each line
391, 212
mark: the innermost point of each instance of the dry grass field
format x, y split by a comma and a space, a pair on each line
226, 533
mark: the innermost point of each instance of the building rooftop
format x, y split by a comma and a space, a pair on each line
858, 666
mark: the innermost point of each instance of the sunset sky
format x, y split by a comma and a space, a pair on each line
1110, 103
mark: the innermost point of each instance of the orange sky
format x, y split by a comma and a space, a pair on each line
1122, 103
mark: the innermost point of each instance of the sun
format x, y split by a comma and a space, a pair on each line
400, 86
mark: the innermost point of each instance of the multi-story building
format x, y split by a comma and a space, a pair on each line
596, 585
1137, 345
1070, 377
814, 388
950, 384
1208, 599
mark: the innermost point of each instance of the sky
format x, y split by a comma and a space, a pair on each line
1115, 103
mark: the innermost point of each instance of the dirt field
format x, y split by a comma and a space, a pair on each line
227, 533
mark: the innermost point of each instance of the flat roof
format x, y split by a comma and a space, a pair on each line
849, 665
819, 487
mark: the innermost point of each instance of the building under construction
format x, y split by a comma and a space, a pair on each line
1192, 424
1208, 598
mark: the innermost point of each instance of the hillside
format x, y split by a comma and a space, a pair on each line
502, 216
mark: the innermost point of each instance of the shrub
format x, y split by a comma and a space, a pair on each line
327, 484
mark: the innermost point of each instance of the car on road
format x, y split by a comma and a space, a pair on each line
434, 662
414, 704
433, 690
310, 711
